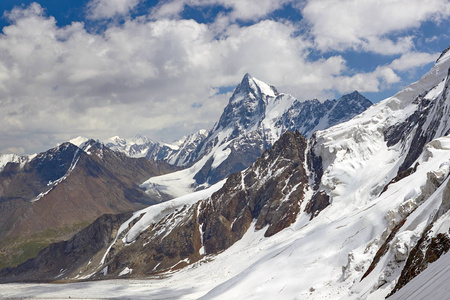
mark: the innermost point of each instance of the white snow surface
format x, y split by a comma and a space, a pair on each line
182, 182
14, 158
154, 213
79, 141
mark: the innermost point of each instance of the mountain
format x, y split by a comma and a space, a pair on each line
141, 146
255, 117
355, 212
50, 196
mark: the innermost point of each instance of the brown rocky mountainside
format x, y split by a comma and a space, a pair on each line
269, 193
58, 192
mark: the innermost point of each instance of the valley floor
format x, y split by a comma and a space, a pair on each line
108, 289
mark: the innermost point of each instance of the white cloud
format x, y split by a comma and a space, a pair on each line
412, 60
156, 76
105, 9
383, 77
366, 25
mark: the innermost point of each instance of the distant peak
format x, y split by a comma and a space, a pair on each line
140, 139
354, 97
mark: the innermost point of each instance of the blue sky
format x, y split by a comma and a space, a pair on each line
164, 69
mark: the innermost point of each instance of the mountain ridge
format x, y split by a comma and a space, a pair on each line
37, 195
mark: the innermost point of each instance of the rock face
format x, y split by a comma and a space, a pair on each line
269, 192
58, 192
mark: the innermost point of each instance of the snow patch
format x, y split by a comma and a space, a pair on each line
156, 212
126, 271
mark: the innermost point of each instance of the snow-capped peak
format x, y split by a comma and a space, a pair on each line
252, 88
140, 140
13, 158
79, 141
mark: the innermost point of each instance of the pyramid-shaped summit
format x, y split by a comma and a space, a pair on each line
253, 120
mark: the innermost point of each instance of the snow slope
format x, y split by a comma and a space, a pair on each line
13, 158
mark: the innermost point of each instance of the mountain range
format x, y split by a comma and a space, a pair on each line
50, 196
342, 201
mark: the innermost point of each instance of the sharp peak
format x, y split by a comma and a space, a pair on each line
248, 76
247, 79
355, 93
249, 82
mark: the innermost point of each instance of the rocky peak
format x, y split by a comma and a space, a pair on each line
252, 88
347, 107
255, 117
54, 163
246, 106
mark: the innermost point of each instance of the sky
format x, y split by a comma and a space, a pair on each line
165, 69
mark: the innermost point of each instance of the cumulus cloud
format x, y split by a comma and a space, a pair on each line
412, 60
368, 25
381, 78
160, 75
104, 9
142, 76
